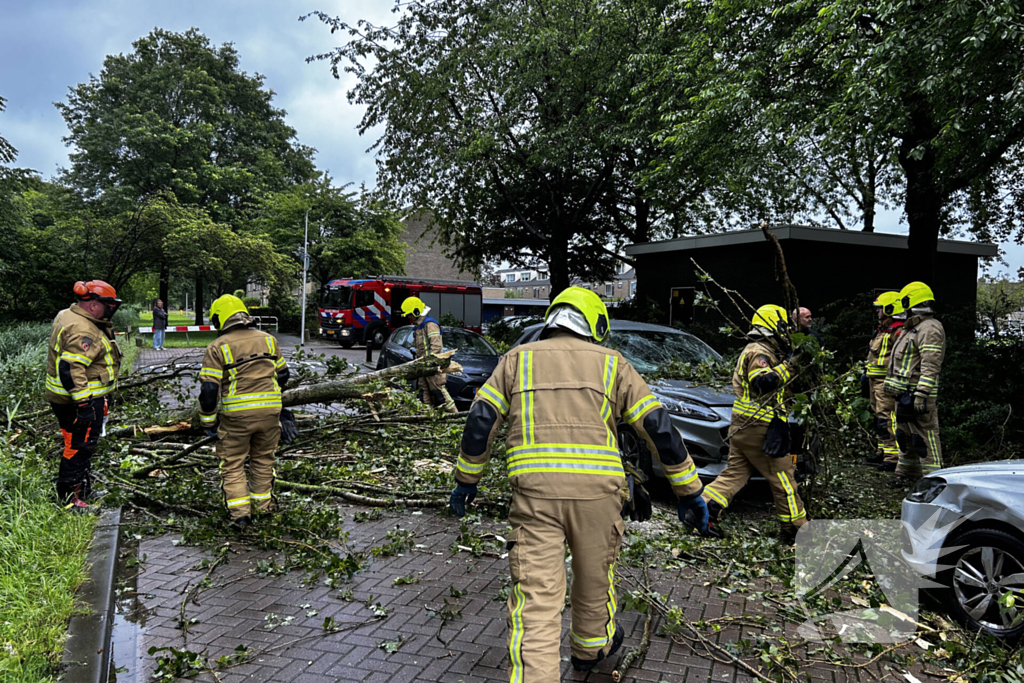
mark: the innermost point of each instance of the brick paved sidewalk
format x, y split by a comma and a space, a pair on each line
235, 610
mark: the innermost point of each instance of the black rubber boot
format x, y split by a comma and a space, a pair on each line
588, 664
242, 523
875, 459
887, 467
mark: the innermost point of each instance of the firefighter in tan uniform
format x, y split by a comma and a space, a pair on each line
563, 398
759, 430
81, 370
883, 406
244, 368
426, 339
913, 381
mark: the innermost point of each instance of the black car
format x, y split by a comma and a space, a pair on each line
476, 356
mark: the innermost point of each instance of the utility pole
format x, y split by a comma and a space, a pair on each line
305, 268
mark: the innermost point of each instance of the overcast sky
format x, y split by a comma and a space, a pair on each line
47, 46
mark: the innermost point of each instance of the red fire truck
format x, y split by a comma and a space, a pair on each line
360, 311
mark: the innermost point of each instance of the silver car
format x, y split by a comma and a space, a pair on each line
700, 414
964, 527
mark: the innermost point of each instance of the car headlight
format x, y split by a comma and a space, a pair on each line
926, 490
693, 411
459, 374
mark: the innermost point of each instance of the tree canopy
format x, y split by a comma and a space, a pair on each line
506, 121
919, 103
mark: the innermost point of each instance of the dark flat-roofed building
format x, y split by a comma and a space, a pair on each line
825, 266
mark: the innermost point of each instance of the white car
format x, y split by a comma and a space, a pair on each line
964, 527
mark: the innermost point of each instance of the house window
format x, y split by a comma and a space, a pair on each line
609, 289
524, 277
536, 292
511, 277
632, 288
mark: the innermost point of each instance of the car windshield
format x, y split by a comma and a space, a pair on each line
337, 297
652, 350
466, 342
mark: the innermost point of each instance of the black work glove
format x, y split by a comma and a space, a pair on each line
777, 441
86, 412
920, 404
638, 508
865, 385
463, 495
289, 429
905, 408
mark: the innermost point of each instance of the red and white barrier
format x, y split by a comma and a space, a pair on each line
179, 328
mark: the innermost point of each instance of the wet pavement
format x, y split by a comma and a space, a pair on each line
253, 602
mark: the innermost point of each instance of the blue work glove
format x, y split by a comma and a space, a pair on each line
463, 495
699, 508
211, 432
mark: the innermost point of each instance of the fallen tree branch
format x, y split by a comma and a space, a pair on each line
362, 500
143, 472
322, 392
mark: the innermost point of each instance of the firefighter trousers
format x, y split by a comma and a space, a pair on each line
541, 529
920, 450
434, 393
252, 438
883, 407
746, 458
80, 439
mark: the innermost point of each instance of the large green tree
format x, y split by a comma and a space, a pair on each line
506, 120
922, 101
177, 114
350, 234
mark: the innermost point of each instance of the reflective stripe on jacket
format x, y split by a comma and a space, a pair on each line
92, 356
563, 399
759, 359
917, 357
880, 350
244, 363
426, 338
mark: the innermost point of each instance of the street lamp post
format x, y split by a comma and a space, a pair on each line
305, 268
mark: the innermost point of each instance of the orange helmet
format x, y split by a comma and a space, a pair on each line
97, 290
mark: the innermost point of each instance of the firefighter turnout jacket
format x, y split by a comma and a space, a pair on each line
563, 398
880, 350
917, 358
245, 365
83, 360
759, 382
426, 338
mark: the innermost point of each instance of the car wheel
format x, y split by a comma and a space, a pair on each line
347, 344
378, 336
989, 564
634, 451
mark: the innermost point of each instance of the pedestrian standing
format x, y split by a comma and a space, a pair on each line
159, 325
563, 398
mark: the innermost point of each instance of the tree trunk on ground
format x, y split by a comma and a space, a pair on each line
200, 300
323, 392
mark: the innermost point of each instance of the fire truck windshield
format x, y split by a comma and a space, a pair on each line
337, 297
